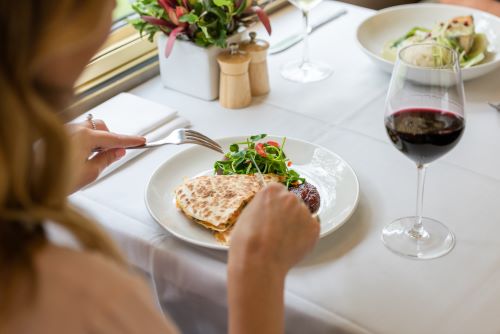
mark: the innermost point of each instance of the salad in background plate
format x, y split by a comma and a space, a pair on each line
457, 33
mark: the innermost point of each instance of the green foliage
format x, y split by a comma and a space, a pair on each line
268, 156
205, 22
190, 18
147, 8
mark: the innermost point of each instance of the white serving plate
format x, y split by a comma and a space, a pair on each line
393, 22
335, 179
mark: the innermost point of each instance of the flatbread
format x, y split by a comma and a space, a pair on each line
216, 201
223, 238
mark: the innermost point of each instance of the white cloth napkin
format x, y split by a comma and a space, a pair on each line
132, 115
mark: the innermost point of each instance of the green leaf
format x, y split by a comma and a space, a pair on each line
221, 40
207, 34
239, 154
190, 18
258, 137
241, 8
201, 40
220, 13
234, 148
198, 8
222, 3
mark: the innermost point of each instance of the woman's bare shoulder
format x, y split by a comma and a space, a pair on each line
93, 293
85, 269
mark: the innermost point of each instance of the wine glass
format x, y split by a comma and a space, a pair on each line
304, 70
424, 119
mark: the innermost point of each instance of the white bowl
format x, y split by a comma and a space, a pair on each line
393, 22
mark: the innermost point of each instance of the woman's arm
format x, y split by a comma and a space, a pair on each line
255, 299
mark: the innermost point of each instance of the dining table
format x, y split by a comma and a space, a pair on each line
350, 282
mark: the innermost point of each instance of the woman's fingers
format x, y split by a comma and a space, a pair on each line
100, 161
99, 125
110, 148
107, 140
101, 138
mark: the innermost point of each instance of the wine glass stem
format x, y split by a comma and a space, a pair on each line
307, 30
418, 231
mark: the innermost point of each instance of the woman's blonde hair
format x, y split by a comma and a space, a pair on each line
35, 171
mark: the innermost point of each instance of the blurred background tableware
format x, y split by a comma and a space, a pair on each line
390, 23
291, 40
305, 70
257, 71
424, 118
495, 106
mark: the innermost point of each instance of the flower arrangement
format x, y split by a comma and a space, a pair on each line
204, 22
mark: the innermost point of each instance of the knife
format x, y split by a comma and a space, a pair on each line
290, 41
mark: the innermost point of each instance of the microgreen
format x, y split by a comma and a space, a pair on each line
268, 156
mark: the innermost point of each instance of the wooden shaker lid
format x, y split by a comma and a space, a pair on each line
257, 48
234, 61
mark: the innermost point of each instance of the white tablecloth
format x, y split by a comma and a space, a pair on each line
350, 283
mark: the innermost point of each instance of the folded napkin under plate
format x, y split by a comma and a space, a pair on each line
132, 115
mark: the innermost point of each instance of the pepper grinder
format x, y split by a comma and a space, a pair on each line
259, 77
234, 89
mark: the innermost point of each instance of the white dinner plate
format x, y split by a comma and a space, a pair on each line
334, 178
393, 22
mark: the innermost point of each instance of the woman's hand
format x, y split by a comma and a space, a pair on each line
86, 141
275, 230
272, 234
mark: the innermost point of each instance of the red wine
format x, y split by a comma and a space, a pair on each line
424, 134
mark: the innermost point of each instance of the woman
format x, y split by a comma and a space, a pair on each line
51, 288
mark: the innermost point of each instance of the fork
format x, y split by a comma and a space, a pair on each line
496, 106
183, 136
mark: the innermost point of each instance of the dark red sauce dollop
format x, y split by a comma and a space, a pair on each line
309, 194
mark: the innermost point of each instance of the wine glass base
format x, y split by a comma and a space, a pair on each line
437, 240
303, 72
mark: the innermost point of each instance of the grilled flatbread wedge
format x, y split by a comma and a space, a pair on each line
223, 238
216, 201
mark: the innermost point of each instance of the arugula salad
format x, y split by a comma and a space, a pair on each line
244, 158
457, 33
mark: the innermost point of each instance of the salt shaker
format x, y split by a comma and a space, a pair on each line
259, 77
234, 90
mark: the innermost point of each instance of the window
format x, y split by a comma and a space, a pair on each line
122, 10
123, 61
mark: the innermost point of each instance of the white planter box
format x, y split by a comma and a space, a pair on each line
191, 69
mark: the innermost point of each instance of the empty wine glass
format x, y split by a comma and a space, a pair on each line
305, 70
424, 118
